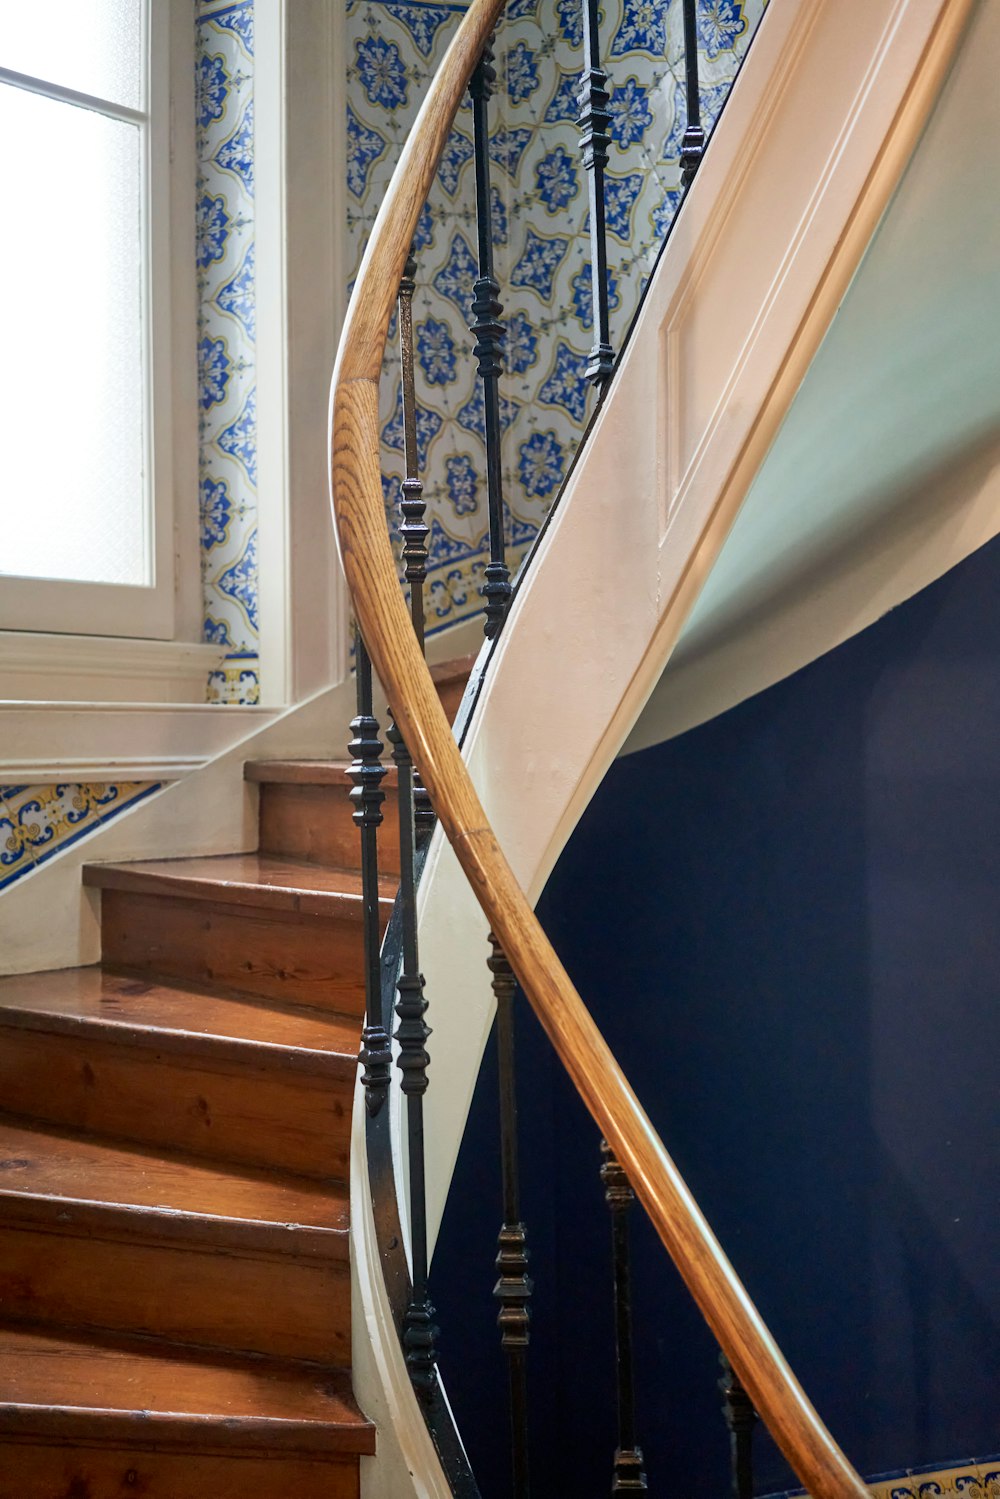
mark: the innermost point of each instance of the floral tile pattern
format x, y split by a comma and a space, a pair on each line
979, 1478
541, 243
227, 343
37, 822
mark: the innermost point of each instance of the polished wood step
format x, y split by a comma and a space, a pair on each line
306, 813
229, 1079
65, 1398
239, 1261
260, 881
331, 773
451, 679
64, 1470
240, 924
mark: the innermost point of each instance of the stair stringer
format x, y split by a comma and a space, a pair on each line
816, 134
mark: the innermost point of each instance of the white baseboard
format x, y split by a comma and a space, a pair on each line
118, 741
103, 669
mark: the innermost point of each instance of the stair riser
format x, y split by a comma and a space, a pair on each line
249, 1115
316, 823
303, 960
281, 1306
28, 1471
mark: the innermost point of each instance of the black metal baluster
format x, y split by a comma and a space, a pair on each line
628, 1475
595, 122
367, 795
693, 143
419, 1332
488, 331
412, 1031
413, 527
741, 1418
514, 1287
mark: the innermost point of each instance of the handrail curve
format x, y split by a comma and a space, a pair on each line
381, 611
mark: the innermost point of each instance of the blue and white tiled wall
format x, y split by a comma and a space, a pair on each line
37, 822
227, 343
540, 192
542, 252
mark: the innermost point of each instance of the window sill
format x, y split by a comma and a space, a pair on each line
103, 669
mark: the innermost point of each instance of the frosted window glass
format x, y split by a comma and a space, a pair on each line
93, 46
72, 482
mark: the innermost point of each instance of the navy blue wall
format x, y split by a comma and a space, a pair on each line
786, 923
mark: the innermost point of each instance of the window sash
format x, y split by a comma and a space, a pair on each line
146, 610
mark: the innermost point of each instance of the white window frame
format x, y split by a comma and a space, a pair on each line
60, 606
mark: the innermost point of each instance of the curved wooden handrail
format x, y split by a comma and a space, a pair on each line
382, 614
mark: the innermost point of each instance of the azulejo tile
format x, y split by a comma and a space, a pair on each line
565, 386
238, 581
364, 146
423, 22
946, 1483
239, 439
457, 276
989, 1476
540, 260
211, 88
225, 259
235, 155
237, 20
237, 680
39, 822
721, 23
211, 230
382, 71
238, 296
541, 240
978, 1479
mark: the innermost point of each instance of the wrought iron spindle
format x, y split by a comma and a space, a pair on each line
741, 1418
419, 1332
413, 527
488, 332
513, 1288
367, 795
628, 1476
693, 142
595, 122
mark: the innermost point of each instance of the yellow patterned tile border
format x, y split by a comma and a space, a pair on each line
969, 1480
37, 822
976, 1479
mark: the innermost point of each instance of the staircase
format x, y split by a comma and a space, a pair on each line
175, 1294
175, 1291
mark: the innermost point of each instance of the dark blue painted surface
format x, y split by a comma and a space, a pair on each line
786, 923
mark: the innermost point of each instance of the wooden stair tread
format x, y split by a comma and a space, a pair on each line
457, 669
138, 1392
63, 1177
308, 773
246, 880
168, 1017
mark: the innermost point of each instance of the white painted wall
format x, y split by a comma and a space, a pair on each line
886, 471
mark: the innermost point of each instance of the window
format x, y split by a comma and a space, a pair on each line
85, 523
